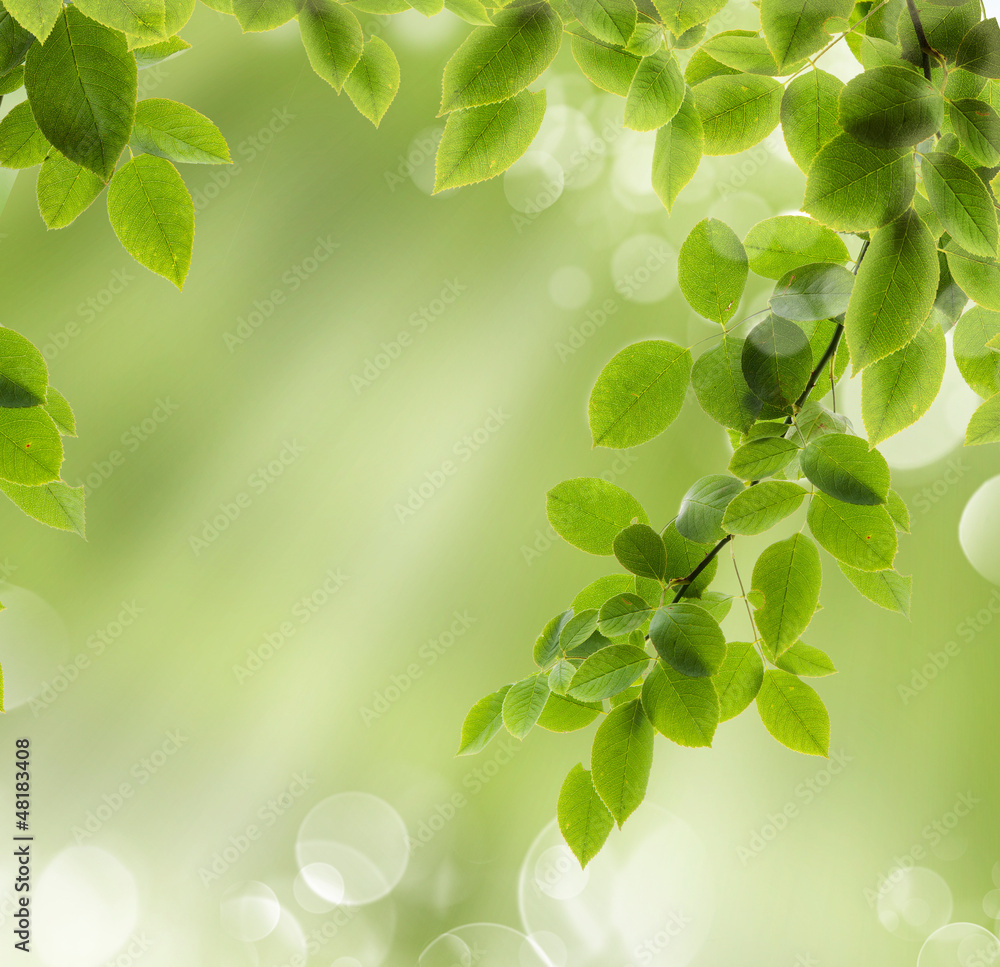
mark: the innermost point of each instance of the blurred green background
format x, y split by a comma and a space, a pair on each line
284, 597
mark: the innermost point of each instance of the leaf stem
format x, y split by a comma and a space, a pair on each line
925, 47
817, 372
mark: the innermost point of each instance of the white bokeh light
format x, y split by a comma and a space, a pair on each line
483, 945
34, 649
979, 530
960, 945
648, 897
533, 183
352, 848
644, 268
914, 902
85, 907
249, 911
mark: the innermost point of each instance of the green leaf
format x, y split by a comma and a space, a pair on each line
607, 672
373, 83
739, 679
157, 53
597, 592
65, 190
984, 427
561, 674
789, 575
862, 537
898, 511
977, 276
809, 112
152, 214
712, 270
14, 44
577, 630
640, 549
547, 643
36, 16
688, 639
604, 65
891, 107
621, 759
795, 29
762, 458
777, 362
484, 142
523, 704
853, 187
737, 111
56, 504
683, 556
22, 145
899, 389
717, 378
962, 202
588, 512
703, 65
655, 94
260, 15
646, 39
562, 714
140, 19
612, 21
802, 659
639, 393
332, 37
30, 449
495, 63
979, 365
979, 51
784, 243
894, 292
944, 27
623, 613
484, 720
81, 84
14, 78
978, 128
24, 377
175, 131
583, 819
747, 54
471, 11
700, 516
677, 151
61, 412
793, 713
842, 466
759, 508
812, 293
685, 710
682, 15
888, 589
